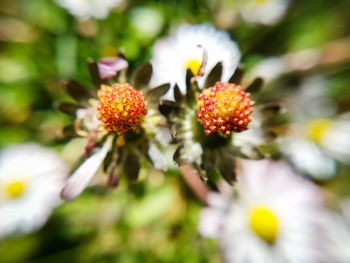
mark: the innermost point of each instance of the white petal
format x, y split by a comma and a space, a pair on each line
337, 141
43, 175
192, 153
163, 136
83, 175
83, 9
210, 222
171, 54
297, 205
309, 159
266, 12
158, 158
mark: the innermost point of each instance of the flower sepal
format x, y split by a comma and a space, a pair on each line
115, 110
215, 125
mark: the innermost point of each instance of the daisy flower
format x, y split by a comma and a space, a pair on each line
338, 234
31, 178
119, 128
263, 11
214, 125
273, 218
195, 47
316, 138
316, 146
84, 9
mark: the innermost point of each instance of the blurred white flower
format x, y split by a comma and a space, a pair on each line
317, 144
316, 138
311, 100
194, 47
84, 9
309, 158
263, 11
31, 178
269, 69
338, 234
275, 217
333, 136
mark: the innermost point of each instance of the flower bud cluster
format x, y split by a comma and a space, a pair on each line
121, 108
224, 108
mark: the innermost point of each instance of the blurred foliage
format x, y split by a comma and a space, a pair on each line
156, 219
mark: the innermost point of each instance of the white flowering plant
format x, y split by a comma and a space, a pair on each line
202, 131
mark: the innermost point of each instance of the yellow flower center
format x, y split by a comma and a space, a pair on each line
318, 128
264, 223
194, 64
15, 189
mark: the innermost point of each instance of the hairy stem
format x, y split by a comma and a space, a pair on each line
193, 180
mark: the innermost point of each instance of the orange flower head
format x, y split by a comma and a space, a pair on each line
224, 108
121, 108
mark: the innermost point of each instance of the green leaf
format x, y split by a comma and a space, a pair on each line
107, 161
177, 156
167, 107
177, 94
214, 76
255, 87
157, 92
67, 108
68, 132
79, 92
271, 107
226, 166
190, 98
269, 136
142, 75
237, 76
270, 113
132, 166
95, 74
252, 152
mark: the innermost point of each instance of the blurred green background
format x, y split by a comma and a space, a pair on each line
156, 219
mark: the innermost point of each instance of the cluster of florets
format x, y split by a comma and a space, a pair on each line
121, 108
224, 108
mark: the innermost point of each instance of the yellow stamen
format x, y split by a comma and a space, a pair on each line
264, 223
15, 189
194, 65
318, 128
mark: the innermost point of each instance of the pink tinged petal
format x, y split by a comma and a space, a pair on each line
110, 66
219, 201
83, 175
210, 222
